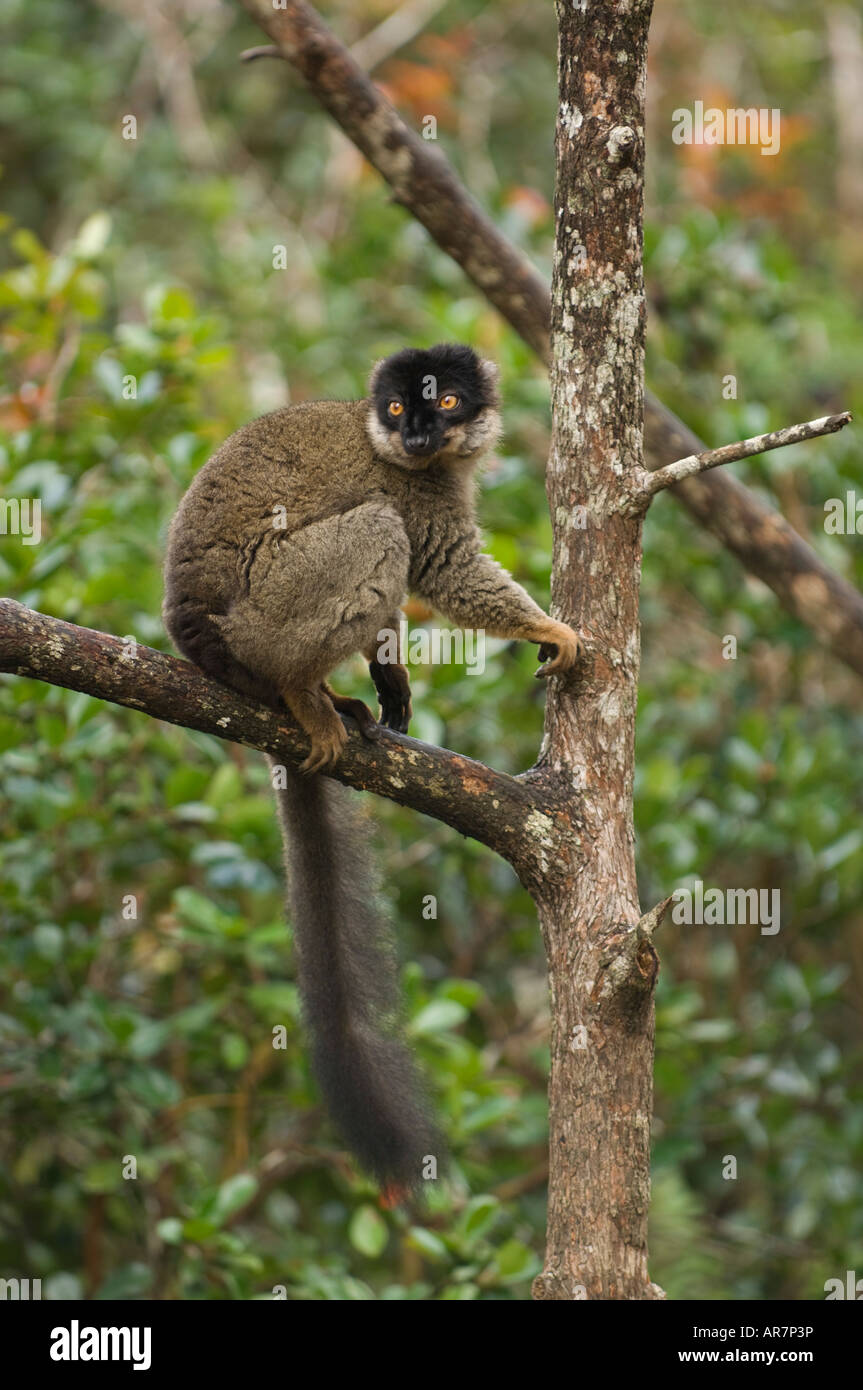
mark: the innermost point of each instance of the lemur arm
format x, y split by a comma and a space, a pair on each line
474, 591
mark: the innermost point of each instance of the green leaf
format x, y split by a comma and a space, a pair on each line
201, 912
170, 305
277, 1003
153, 1087
170, 1230
198, 1229
234, 1193
426, 1243
235, 1050
225, 786
514, 1261
465, 992
368, 1232
29, 247
489, 1112
92, 237
148, 1038
103, 1176
48, 940
437, 1017
479, 1215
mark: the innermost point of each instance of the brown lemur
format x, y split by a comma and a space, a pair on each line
292, 550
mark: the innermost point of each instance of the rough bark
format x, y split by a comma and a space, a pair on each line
425, 184
602, 965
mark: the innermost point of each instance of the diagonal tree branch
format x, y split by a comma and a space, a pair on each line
521, 818
426, 186
421, 179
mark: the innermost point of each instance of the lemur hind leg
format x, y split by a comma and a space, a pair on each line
391, 681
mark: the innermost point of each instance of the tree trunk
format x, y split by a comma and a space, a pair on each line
602, 966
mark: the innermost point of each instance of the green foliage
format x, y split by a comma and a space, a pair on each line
153, 1140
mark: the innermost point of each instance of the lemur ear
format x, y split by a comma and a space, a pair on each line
374, 376
490, 373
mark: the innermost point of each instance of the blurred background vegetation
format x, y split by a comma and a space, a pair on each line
151, 1037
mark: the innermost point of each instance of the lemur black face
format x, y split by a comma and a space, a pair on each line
433, 403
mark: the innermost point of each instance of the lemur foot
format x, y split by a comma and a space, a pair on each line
326, 748
394, 693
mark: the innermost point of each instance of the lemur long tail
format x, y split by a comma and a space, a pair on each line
348, 985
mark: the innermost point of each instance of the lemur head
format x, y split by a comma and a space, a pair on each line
434, 405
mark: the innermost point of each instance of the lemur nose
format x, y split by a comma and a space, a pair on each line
416, 443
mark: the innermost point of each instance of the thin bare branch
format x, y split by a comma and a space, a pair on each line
263, 50
380, 43
729, 453
394, 32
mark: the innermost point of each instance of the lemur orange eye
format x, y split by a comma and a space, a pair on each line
448, 402
395, 408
